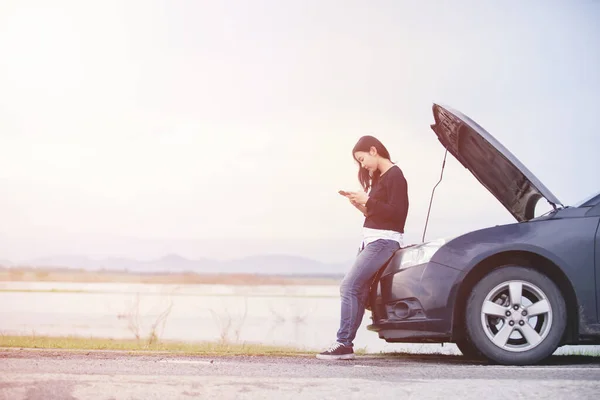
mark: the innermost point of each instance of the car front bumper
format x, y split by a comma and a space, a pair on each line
413, 304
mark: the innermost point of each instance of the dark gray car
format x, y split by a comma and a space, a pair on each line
510, 293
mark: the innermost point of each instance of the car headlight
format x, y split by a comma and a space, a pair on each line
420, 254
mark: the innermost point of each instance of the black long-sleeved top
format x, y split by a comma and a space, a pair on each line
387, 207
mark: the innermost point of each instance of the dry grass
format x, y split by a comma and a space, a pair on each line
26, 274
199, 348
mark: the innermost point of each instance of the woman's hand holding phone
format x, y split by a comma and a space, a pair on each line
353, 197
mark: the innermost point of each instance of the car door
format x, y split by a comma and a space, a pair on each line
595, 213
597, 258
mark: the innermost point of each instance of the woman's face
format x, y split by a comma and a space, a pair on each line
368, 160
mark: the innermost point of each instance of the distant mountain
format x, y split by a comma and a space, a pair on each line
60, 261
174, 262
279, 264
5, 263
269, 264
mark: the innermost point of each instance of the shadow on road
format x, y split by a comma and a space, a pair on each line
459, 359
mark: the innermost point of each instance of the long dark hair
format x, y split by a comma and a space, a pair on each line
364, 144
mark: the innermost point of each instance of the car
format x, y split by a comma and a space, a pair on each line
510, 294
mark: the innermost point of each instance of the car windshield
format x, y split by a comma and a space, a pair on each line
586, 200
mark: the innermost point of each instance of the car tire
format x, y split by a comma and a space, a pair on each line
515, 316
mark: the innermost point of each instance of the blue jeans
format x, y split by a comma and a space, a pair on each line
354, 289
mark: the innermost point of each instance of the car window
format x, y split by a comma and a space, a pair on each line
589, 201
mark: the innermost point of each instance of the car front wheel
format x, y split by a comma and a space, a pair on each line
516, 315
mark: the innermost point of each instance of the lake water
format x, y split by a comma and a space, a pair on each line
305, 317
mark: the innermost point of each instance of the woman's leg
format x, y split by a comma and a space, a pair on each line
355, 286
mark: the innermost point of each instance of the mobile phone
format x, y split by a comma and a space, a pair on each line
343, 192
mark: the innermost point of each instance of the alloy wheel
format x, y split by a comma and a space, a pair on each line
516, 316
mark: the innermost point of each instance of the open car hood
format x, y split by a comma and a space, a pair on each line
491, 163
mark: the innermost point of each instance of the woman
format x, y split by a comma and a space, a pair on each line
385, 209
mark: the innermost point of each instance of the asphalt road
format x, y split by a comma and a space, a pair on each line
43, 374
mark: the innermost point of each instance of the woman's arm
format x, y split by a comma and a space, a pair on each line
360, 207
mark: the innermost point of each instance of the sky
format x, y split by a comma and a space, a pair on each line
224, 129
